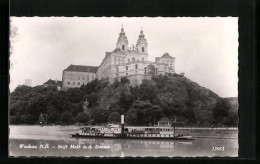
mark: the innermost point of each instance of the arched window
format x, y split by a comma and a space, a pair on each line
136, 66
126, 67
78, 83
142, 49
117, 69
142, 58
128, 60
123, 47
133, 59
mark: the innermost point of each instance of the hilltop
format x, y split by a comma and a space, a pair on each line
172, 96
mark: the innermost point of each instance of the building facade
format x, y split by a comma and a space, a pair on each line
78, 75
53, 83
125, 61
28, 82
132, 62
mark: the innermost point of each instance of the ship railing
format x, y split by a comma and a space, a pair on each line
142, 132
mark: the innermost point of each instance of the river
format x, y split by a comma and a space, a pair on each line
56, 141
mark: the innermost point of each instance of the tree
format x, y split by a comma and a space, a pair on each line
82, 117
220, 111
67, 117
125, 80
28, 119
147, 90
125, 100
231, 119
114, 107
142, 113
13, 120
114, 117
99, 116
53, 117
131, 116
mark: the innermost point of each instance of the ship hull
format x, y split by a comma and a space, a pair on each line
131, 137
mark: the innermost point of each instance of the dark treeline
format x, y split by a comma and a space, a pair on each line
171, 96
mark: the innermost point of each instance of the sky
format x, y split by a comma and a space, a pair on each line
205, 48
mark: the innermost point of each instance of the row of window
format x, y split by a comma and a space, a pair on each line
79, 77
119, 60
125, 74
136, 67
74, 83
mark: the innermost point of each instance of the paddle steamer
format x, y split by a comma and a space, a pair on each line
130, 132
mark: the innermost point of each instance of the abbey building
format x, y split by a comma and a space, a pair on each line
124, 61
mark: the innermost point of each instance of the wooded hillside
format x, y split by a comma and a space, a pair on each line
171, 96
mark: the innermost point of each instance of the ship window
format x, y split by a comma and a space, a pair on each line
142, 49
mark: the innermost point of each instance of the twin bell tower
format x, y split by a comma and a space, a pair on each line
141, 45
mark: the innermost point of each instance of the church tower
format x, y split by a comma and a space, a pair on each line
122, 42
141, 44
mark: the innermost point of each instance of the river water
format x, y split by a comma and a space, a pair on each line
56, 141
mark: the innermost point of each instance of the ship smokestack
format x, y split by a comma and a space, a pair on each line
122, 126
122, 119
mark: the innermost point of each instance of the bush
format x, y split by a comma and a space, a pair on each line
67, 117
82, 117
114, 117
13, 120
53, 117
28, 119
99, 117
59, 123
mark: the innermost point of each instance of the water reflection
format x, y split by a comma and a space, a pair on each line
59, 144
